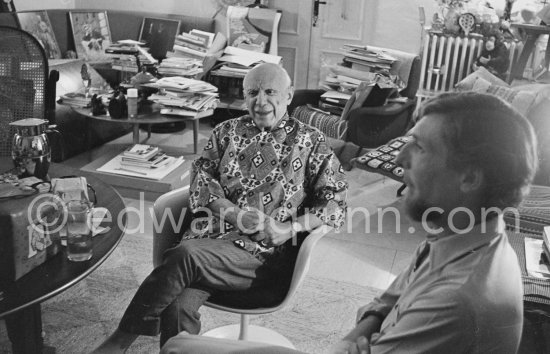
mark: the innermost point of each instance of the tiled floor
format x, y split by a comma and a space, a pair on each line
361, 253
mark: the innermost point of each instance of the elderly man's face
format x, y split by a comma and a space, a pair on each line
267, 92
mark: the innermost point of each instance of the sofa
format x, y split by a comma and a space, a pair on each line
123, 25
530, 99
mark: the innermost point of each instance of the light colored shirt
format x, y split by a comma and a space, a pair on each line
287, 171
465, 297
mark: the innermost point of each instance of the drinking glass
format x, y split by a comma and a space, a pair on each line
79, 231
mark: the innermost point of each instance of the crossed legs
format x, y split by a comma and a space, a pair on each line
170, 296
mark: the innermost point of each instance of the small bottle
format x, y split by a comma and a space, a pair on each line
132, 96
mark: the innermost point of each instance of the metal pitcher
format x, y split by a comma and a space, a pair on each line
31, 152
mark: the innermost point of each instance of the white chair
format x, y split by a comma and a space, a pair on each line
163, 238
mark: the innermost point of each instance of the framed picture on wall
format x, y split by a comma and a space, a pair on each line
38, 24
159, 35
91, 35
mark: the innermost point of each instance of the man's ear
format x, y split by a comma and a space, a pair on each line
472, 180
290, 94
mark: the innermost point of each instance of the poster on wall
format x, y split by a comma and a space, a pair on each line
253, 29
38, 24
91, 35
159, 35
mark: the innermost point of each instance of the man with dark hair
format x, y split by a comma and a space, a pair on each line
470, 156
264, 179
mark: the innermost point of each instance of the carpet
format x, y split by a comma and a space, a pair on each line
79, 319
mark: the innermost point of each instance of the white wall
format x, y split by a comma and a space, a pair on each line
23, 5
201, 8
398, 24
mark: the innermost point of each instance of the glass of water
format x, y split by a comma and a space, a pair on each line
79, 230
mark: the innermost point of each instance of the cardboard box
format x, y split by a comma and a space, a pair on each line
28, 235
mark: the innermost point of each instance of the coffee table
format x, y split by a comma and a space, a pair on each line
149, 114
21, 299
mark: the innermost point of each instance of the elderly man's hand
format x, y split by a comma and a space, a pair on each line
274, 233
251, 221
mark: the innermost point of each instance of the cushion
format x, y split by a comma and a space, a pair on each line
332, 126
468, 82
534, 212
381, 159
520, 100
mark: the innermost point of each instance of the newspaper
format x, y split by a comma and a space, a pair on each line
254, 29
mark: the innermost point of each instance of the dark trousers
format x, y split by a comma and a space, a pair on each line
169, 298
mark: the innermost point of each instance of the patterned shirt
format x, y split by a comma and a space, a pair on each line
285, 172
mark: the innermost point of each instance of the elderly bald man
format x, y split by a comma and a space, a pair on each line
264, 178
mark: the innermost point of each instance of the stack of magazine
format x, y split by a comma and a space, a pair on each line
144, 156
183, 96
142, 160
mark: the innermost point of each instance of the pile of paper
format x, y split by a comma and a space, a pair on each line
185, 94
236, 62
363, 58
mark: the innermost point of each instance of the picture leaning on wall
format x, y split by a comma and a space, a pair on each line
91, 35
38, 24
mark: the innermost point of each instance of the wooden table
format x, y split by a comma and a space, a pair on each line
533, 32
149, 114
20, 303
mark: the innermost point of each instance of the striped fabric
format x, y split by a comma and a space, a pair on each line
332, 126
534, 289
534, 211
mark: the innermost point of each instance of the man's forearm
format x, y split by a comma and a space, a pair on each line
224, 208
371, 324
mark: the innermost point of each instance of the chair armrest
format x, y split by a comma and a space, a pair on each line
303, 97
170, 210
390, 109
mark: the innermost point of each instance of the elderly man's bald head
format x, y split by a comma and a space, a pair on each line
268, 92
268, 71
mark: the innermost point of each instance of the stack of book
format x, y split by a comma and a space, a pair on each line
334, 101
190, 52
363, 58
125, 53
194, 44
142, 161
184, 96
144, 156
180, 66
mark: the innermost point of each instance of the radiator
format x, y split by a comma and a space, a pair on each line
446, 60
